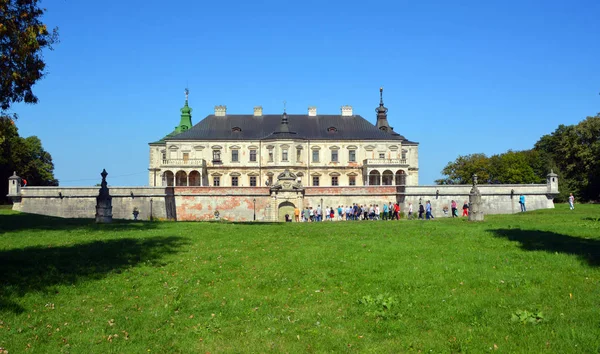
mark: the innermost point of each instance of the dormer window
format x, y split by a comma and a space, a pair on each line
332, 130
236, 129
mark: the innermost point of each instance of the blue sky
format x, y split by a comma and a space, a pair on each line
460, 77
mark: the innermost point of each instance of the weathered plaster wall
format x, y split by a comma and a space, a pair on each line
80, 202
496, 198
237, 203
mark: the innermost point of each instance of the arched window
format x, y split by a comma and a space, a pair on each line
181, 178
374, 178
168, 179
387, 178
194, 178
400, 178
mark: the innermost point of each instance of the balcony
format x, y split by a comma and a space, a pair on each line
183, 162
385, 162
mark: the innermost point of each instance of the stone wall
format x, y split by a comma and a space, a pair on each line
80, 202
241, 203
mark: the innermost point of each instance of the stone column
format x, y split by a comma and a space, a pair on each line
104, 202
475, 213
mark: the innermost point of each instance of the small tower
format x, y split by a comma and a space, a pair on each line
186, 116
382, 122
14, 185
552, 183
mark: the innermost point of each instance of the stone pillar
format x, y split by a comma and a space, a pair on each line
104, 202
274, 208
475, 212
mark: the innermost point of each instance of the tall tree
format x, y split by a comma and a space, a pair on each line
26, 156
462, 170
23, 37
575, 152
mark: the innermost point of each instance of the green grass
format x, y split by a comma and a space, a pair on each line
514, 283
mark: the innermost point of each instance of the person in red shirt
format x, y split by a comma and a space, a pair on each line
24, 182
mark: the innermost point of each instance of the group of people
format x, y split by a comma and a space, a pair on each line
389, 211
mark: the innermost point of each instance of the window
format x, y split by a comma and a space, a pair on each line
270, 181
403, 154
186, 157
316, 181
298, 155
352, 156
315, 156
252, 181
352, 180
164, 155
284, 155
216, 181
334, 156
270, 155
234, 181
216, 155
235, 156
382, 155
334, 181
253, 155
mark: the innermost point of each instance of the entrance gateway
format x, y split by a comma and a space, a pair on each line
286, 208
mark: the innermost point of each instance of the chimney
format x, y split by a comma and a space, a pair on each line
220, 111
347, 111
312, 111
258, 111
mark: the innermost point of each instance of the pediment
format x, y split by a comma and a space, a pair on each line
370, 147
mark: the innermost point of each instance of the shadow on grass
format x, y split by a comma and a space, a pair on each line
24, 221
533, 240
591, 219
39, 269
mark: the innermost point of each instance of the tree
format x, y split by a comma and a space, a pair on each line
26, 156
23, 37
574, 152
512, 167
462, 170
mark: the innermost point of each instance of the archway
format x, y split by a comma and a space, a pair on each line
374, 178
181, 178
194, 178
168, 179
387, 178
400, 178
285, 208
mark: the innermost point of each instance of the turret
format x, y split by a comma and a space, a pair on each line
382, 122
186, 116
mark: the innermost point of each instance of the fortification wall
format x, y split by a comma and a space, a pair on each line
242, 203
80, 202
496, 198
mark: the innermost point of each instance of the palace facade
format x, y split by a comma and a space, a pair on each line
238, 150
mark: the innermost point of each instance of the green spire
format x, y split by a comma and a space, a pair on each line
186, 116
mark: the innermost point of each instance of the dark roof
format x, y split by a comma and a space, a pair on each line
267, 127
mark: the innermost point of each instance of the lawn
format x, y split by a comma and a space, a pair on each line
514, 283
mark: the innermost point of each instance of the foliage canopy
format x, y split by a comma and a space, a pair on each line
573, 152
23, 37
